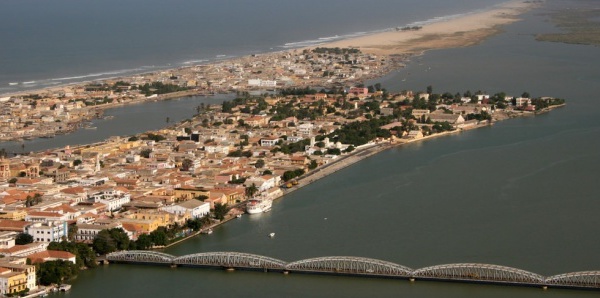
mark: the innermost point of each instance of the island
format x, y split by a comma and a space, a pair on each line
298, 116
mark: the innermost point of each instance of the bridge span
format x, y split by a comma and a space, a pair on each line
366, 267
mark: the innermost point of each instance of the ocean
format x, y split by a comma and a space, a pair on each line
48, 43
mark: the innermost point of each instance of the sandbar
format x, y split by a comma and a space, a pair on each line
462, 31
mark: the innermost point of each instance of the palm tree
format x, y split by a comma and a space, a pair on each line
251, 190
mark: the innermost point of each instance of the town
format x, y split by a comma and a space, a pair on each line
60, 110
66, 208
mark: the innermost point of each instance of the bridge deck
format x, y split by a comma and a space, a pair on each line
357, 266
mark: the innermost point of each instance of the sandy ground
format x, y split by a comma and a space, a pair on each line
458, 32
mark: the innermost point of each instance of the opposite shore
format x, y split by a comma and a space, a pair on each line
382, 53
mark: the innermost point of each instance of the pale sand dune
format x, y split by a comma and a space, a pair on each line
459, 32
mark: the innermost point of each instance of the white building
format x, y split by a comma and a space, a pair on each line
48, 232
262, 83
7, 239
195, 208
113, 199
87, 232
269, 141
305, 129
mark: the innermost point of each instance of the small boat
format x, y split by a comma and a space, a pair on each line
64, 287
272, 235
238, 216
208, 232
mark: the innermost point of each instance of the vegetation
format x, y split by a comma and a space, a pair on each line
23, 238
56, 272
108, 241
543, 103
289, 175
197, 224
220, 211
84, 255
160, 88
153, 137
32, 201
359, 133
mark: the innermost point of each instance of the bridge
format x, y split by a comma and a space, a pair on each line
366, 267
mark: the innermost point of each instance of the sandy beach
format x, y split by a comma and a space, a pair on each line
462, 31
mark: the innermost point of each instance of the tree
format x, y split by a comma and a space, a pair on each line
143, 242
313, 164
220, 211
525, 95
259, 163
251, 190
23, 238
145, 153
77, 162
85, 256
120, 238
201, 198
187, 164
429, 89
13, 180
103, 243
55, 272
159, 237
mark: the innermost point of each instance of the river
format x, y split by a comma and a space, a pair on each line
522, 193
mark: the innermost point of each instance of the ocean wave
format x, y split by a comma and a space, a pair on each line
322, 40
194, 61
13, 84
100, 74
326, 39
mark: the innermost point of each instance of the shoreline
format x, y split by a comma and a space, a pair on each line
395, 47
463, 30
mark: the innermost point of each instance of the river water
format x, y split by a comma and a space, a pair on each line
522, 193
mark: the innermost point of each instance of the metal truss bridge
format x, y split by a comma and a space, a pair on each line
358, 266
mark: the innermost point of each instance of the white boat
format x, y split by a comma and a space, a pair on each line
258, 205
64, 287
208, 232
238, 216
272, 235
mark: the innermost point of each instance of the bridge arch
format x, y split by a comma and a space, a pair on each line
230, 260
479, 272
587, 279
350, 265
140, 256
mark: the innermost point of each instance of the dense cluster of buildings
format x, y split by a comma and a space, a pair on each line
52, 111
167, 177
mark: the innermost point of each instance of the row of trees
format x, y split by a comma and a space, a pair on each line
160, 88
